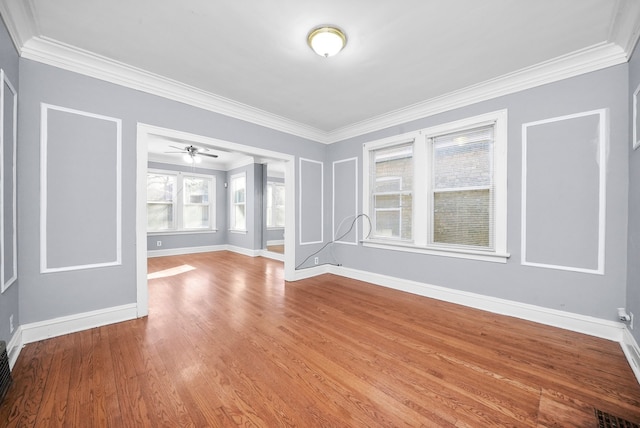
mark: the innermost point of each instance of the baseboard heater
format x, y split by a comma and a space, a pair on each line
5, 371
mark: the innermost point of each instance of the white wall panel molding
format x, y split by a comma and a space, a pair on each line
54, 53
591, 153
309, 194
342, 224
635, 118
8, 202
76, 171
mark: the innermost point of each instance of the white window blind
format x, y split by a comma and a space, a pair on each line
392, 195
161, 195
463, 188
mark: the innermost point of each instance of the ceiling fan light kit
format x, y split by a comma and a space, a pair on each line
192, 154
326, 40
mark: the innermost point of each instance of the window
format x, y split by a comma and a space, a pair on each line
239, 202
440, 190
392, 198
275, 204
179, 202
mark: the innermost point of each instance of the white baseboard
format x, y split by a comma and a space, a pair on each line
14, 347
272, 255
597, 327
40, 330
33, 332
277, 242
244, 251
186, 250
631, 351
301, 274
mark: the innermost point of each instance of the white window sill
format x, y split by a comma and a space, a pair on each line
182, 232
244, 232
460, 253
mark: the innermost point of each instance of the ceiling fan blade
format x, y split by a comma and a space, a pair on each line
177, 152
182, 149
207, 154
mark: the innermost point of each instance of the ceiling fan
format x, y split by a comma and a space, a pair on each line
191, 153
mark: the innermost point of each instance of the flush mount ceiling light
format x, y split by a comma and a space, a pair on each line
326, 40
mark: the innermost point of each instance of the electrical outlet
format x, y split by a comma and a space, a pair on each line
316, 260
631, 323
158, 243
11, 323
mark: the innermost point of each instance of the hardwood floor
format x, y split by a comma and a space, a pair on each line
229, 343
276, 249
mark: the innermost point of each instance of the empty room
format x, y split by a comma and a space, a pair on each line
319, 214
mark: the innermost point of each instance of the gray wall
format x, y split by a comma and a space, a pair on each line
633, 257
51, 295
9, 304
581, 293
190, 240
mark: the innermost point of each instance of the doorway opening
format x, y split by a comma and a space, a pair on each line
147, 135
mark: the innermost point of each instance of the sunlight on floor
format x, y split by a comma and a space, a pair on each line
170, 272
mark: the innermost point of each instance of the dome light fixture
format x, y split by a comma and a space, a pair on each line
327, 40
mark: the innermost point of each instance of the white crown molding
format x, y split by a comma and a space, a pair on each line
20, 20
580, 62
57, 54
590, 59
625, 25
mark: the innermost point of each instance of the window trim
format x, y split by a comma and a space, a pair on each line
232, 204
421, 204
178, 203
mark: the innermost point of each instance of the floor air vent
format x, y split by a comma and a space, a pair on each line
5, 372
605, 420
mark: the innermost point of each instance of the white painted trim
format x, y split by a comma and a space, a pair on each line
271, 255
636, 119
41, 330
186, 250
14, 346
70, 58
66, 57
625, 25
605, 329
244, 251
44, 186
603, 145
19, 18
355, 203
142, 154
631, 351
583, 61
300, 201
310, 272
276, 242
14, 234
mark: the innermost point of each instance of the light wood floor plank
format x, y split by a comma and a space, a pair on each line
229, 343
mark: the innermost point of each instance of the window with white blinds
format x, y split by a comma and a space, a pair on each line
462, 190
178, 202
440, 190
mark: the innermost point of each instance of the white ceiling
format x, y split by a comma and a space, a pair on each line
253, 55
